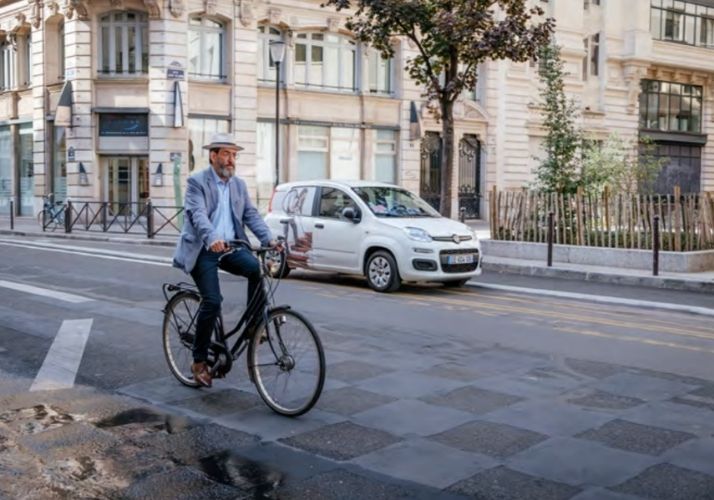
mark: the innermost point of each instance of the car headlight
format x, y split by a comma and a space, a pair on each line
417, 234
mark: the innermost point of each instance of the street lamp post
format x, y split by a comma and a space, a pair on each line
277, 53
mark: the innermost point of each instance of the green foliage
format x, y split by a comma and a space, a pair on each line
627, 167
559, 170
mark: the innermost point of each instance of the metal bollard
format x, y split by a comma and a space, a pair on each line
462, 214
68, 217
149, 220
12, 213
550, 239
655, 246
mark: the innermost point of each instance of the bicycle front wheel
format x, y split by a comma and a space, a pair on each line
287, 363
46, 221
178, 334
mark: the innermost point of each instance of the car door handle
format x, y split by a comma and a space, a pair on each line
320, 226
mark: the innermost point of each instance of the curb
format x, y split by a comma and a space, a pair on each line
600, 277
89, 237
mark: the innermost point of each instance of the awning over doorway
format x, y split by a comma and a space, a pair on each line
63, 113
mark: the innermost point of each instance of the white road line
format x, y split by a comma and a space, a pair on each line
44, 292
705, 311
91, 250
60, 367
156, 261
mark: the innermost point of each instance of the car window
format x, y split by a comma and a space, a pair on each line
387, 201
333, 201
299, 200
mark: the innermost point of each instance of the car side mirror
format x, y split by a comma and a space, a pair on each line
350, 213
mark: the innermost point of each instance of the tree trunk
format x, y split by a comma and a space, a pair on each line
447, 157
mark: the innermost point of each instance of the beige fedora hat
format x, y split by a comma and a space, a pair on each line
222, 140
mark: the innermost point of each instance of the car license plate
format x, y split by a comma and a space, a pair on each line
460, 259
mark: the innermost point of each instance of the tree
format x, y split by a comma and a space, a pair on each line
559, 171
452, 37
628, 167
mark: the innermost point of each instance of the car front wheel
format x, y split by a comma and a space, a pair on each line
382, 273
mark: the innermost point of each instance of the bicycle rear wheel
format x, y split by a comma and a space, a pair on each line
178, 333
46, 221
287, 363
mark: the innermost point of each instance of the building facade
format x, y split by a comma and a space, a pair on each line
150, 80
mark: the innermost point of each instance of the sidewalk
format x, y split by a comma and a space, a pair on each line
699, 282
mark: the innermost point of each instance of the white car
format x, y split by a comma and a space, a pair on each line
380, 231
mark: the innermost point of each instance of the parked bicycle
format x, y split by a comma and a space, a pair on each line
285, 359
52, 214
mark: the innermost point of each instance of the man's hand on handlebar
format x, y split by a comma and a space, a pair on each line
219, 246
277, 245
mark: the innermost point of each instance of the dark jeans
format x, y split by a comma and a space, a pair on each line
241, 262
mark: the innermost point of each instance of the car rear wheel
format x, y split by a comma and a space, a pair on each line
382, 273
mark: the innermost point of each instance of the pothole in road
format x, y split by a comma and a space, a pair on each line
151, 421
232, 470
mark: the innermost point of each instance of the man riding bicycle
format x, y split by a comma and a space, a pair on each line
217, 207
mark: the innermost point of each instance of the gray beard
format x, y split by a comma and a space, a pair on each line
225, 173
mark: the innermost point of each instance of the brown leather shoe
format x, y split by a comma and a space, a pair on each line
201, 374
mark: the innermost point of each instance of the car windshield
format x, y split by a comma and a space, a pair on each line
385, 201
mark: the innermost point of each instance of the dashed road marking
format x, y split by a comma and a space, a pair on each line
44, 292
60, 367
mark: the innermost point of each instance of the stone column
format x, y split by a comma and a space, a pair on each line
39, 144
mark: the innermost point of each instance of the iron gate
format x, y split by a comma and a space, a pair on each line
470, 177
430, 187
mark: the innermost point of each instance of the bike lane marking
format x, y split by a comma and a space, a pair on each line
59, 369
44, 292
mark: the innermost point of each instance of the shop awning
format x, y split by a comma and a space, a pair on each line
63, 113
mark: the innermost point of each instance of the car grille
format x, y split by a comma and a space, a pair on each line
462, 237
458, 268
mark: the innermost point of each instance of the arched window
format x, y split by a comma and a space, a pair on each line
325, 60
124, 43
206, 49
266, 66
8, 68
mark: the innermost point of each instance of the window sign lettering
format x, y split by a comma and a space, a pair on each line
123, 125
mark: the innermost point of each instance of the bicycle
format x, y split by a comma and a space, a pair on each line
52, 214
285, 359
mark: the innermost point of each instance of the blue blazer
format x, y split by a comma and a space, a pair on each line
201, 202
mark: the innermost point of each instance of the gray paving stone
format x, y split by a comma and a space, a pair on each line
579, 462
473, 399
404, 384
530, 384
605, 400
492, 439
407, 416
696, 455
351, 371
456, 370
343, 485
504, 484
160, 390
350, 400
425, 462
221, 402
497, 361
182, 483
343, 441
549, 417
675, 416
643, 386
669, 482
593, 369
270, 426
630, 436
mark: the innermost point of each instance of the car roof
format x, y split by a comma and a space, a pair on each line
333, 183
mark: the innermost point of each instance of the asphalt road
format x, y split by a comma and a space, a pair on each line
393, 359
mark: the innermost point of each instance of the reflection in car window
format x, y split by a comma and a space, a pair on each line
299, 200
333, 201
386, 201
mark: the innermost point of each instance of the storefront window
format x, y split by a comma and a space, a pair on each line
200, 131
385, 156
59, 164
27, 175
671, 107
5, 170
313, 146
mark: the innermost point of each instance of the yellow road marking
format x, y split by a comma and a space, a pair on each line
626, 338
